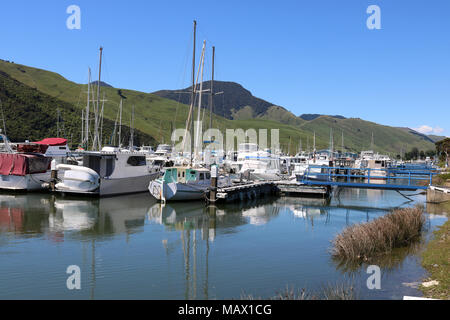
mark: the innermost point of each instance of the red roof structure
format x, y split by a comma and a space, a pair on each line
53, 142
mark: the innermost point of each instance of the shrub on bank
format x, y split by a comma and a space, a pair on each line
366, 241
441, 180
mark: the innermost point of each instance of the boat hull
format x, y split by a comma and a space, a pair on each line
163, 191
115, 186
29, 182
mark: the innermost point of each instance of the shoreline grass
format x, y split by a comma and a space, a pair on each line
436, 260
335, 291
364, 242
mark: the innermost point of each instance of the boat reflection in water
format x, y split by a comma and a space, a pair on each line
305, 208
23, 214
100, 217
178, 216
130, 247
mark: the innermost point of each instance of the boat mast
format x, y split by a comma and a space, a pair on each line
120, 123
96, 145
331, 144
197, 134
371, 143
211, 96
82, 126
101, 121
132, 129
3, 118
193, 93
314, 147
86, 135
57, 122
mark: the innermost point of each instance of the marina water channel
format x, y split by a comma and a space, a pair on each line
131, 247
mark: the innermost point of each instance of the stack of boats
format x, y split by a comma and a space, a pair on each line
114, 171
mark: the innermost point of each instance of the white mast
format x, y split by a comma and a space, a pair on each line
101, 122
189, 120
86, 128
120, 123
314, 147
197, 134
96, 145
132, 129
82, 126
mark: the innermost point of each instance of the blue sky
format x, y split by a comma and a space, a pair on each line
313, 56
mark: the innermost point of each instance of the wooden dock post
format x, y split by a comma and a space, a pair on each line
213, 188
54, 176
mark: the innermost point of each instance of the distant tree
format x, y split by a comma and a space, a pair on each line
430, 153
422, 155
414, 153
443, 149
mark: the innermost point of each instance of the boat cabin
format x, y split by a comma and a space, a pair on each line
105, 164
187, 175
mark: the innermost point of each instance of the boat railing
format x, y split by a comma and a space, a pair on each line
348, 175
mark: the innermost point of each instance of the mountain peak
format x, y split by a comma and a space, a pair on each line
309, 116
232, 98
102, 84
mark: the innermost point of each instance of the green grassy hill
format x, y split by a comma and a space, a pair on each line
155, 116
32, 115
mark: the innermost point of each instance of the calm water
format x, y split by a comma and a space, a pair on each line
133, 248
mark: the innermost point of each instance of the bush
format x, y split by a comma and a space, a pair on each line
367, 241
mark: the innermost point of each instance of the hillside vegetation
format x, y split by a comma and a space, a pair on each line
32, 115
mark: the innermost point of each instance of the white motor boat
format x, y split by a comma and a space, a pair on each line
260, 165
107, 173
374, 163
28, 167
181, 184
298, 165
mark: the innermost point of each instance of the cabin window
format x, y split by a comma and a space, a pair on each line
202, 176
208, 176
184, 174
136, 161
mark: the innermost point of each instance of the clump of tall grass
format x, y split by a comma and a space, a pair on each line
364, 242
337, 291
